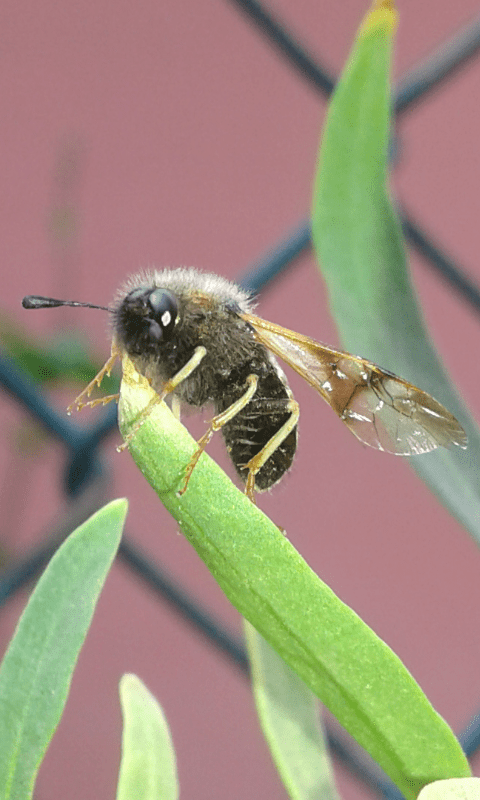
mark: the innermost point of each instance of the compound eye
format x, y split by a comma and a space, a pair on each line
164, 311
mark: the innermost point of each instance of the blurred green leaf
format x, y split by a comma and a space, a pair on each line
359, 245
36, 672
289, 715
148, 769
65, 360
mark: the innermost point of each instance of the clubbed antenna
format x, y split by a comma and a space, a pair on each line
34, 301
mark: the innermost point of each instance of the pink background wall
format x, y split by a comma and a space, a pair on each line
194, 144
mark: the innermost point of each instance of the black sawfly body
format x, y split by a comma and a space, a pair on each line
159, 319
194, 336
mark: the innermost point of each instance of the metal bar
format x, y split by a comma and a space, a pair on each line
447, 59
278, 35
470, 737
20, 386
442, 264
187, 606
16, 576
276, 259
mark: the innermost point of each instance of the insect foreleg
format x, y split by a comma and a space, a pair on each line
80, 401
218, 422
256, 463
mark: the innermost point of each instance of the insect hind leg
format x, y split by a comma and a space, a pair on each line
259, 460
217, 423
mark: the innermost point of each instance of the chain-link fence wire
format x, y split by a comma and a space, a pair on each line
85, 472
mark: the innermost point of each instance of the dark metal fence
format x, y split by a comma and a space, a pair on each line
83, 476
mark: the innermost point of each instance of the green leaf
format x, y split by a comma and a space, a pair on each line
289, 715
453, 789
148, 770
36, 672
342, 661
359, 245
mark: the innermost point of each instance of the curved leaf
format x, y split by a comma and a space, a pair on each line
289, 716
37, 669
339, 657
148, 770
359, 245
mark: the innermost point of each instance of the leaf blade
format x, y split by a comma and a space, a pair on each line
342, 661
148, 768
36, 671
289, 715
359, 245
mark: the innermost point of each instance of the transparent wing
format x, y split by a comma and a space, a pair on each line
381, 410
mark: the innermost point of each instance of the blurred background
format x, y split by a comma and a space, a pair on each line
175, 133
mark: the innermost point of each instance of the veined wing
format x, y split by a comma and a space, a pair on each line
381, 409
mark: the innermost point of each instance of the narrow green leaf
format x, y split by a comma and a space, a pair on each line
359, 245
36, 672
148, 769
289, 715
453, 789
342, 661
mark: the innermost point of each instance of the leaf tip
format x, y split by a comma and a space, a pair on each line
382, 14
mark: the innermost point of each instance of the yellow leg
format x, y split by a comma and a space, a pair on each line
192, 363
176, 407
80, 401
256, 463
170, 385
218, 422
143, 415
